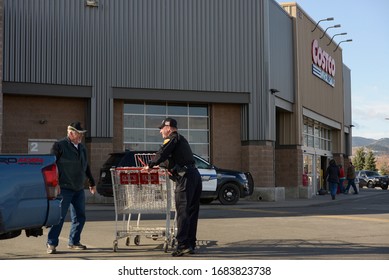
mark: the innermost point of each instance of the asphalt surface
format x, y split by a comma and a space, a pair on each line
352, 227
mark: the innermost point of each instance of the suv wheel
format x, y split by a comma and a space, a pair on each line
229, 194
370, 184
385, 187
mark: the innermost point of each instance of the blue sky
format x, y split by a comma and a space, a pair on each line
367, 24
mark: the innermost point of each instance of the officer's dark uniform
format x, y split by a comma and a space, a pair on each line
177, 151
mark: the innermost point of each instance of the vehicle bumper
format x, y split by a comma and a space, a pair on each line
54, 215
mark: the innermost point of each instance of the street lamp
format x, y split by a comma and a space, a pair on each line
91, 3
274, 90
348, 40
325, 19
334, 26
344, 33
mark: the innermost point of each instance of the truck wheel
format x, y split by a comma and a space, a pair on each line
166, 246
229, 194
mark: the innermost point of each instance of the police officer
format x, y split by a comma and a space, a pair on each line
177, 151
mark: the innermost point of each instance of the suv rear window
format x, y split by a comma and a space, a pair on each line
113, 160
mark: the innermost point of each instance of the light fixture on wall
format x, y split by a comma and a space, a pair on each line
91, 3
324, 19
348, 40
334, 26
344, 33
274, 90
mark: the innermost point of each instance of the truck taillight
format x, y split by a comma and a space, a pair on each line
50, 175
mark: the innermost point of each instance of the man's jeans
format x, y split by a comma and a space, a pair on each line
333, 188
351, 182
76, 201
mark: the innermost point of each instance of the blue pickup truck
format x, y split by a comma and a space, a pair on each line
28, 194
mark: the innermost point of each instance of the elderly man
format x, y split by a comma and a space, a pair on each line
73, 170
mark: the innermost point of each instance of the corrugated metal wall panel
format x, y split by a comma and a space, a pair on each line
43, 42
196, 45
281, 52
202, 45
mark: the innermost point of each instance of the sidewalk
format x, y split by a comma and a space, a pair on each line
315, 200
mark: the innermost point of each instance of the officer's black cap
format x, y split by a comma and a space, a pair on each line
168, 121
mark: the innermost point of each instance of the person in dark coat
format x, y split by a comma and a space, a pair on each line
332, 176
188, 189
73, 169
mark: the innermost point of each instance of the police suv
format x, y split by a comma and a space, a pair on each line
227, 186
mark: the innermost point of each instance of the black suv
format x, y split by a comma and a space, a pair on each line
372, 179
228, 186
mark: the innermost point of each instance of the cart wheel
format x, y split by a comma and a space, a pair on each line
165, 246
154, 237
127, 241
115, 245
137, 240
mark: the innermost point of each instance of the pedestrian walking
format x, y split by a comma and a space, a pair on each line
351, 179
332, 176
181, 165
73, 169
342, 177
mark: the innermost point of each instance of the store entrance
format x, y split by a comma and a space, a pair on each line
315, 165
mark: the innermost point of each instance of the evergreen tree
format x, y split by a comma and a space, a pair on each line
359, 158
370, 161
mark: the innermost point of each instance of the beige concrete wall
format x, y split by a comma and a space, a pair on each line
312, 93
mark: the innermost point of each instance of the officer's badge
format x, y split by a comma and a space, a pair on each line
166, 141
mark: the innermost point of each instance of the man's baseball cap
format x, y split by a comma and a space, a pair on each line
168, 121
76, 126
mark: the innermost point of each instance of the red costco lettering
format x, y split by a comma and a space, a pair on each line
322, 59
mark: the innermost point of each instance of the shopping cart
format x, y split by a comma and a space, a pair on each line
139, 191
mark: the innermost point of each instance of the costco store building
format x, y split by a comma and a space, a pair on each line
251, 86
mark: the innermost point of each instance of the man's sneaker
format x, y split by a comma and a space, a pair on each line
51, 249
77, 246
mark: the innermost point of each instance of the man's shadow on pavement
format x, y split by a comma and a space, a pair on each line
292, 249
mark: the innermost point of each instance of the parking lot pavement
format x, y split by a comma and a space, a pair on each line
318, 228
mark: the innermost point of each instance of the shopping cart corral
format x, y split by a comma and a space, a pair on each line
137, 192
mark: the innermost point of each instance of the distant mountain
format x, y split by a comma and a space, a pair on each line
380, 146
361, 141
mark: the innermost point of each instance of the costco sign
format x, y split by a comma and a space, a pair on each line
323, 64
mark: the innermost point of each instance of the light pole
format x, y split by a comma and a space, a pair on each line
325, 19
344, 33
334, 26
348, 40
